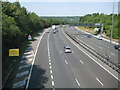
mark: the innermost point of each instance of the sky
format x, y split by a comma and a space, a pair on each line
69, 7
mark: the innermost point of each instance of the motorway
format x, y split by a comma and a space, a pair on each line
101, 46
55, 69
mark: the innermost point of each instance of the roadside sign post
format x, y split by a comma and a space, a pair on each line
13, 53
29, 37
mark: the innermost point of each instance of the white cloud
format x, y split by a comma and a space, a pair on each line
63, 0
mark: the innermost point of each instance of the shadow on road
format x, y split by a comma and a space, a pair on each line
38, 78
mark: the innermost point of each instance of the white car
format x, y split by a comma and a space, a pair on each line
99, 37
67, 49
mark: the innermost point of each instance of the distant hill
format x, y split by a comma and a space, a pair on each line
65, 18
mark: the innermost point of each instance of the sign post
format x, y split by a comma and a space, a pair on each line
29, 37
13, 52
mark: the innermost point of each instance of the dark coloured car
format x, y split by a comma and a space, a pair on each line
89, 36
54, 32
117, 47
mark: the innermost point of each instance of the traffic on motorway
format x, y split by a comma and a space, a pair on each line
68, 64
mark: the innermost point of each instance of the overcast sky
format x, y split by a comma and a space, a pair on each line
69, 7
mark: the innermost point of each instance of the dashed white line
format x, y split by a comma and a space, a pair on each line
49, 58
53, 83
51, 76
66, 62
112, 53
48, 55
77, 82
99, 81
72, 51
100, 47
50, 63
50, 67
60, 51
91, 57
81, 61
51, 71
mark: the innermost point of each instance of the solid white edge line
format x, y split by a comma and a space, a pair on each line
77, 82
66, 62
93, 59
99, 81
33, 61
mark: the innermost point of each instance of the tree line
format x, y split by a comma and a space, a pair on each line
104, 19
18, 23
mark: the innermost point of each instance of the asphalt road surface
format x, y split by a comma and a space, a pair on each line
101, 46
53, 68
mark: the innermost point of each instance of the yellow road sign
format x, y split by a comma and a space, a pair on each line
13, 52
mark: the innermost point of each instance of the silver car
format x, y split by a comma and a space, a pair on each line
67, 49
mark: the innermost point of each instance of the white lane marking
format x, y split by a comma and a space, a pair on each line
77, 38
19, 84
50, 63
66, 62
53, 83
32, 52
50, 67
49, 60
100, 47
51, 76
112, 53
34, 61
48, 55
73, 52
27, 53
91, 47
51, 71
99, 81
81, 61
24, 66
87, 44
77, 82
22, 73
108, 47
27, 56
60, 51
92, 58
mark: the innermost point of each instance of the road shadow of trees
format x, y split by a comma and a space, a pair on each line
38, 78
